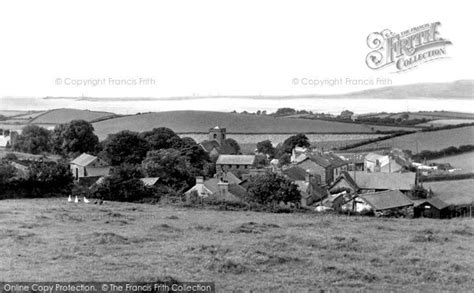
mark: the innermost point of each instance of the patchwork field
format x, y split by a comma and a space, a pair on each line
58, 116
201, 121
465, 162
419, 141
50, 239
455, 192
443, 122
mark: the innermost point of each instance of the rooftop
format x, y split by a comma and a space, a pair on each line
235, 160
385, 200
378, 180
84, 160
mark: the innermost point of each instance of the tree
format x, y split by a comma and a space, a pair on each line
74, 138
285, 111
285, 159
7, 172
161, 138
51, 177
124, 147
230, 147
194, 153
123, 184
33, 139
172, 168
296, 140
272, 188
266, 147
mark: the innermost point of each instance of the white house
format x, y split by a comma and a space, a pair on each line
89, 166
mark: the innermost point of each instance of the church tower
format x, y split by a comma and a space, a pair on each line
218, 134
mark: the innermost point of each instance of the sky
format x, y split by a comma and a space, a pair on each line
208, 48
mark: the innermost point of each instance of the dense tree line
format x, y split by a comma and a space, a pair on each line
449, 151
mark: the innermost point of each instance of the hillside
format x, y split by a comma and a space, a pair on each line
58, 116
239, 250
201, 121
419, 141
463, 89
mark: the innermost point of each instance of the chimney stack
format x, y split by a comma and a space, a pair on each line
199, 181
223, 188
307, 176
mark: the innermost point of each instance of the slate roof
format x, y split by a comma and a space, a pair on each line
235, 160
434, 201
378, 180
295, 173
149, 181
84, 160
209, 145
385, 200
346, 176
324, 160
353, 157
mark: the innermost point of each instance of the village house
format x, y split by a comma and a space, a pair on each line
355, 160
327, 166
224, 188
346, 114
309, 186
5, 138
235, 163
431, 208
87, 165
384, 163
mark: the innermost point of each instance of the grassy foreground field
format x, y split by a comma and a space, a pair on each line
52, 240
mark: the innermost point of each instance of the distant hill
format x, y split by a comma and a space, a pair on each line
461, 89
201, 121
58, 116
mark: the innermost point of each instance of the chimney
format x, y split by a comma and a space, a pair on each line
199, 181
223, 188
377, 167
307, 176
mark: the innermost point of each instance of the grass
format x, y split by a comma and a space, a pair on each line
465, 162
419, 141
444, 122
456, 192
50, 239
58, 116
201, 121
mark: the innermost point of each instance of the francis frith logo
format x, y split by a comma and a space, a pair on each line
407, 49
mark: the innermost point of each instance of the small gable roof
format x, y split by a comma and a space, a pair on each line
325, 160
149, 181
385, 200
295, 173
235, 160
84, 160
373, 157
209, 145
434, 201
379, 180
348, 178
